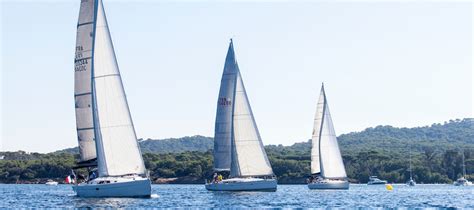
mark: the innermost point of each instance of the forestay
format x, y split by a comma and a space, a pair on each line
223, 126
82, 80
117, 147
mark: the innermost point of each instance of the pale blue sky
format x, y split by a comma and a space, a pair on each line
400, 64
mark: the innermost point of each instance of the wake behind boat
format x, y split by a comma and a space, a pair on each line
107, 141
238, 147
327, 167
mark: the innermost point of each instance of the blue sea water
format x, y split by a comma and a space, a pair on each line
287, 196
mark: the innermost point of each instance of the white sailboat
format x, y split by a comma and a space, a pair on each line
107, 141
463, 181
327, 167
238, 147
411, 182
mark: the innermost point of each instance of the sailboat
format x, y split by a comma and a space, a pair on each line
327, 167
238, 147
463, 181
411, 182
107, 141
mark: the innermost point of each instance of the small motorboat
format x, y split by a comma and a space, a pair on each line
462, 182
51, 182
373, 180
243, 184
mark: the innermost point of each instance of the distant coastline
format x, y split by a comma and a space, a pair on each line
380, 151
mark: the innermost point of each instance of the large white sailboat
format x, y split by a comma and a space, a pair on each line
238, 147
327, 167
107, 141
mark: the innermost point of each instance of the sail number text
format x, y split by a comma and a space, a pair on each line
224, 102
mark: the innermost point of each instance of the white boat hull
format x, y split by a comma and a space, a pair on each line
411, 183
238, 184
467, 183
329, 185
377, 183
120, 188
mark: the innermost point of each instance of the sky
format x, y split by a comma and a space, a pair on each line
404, 64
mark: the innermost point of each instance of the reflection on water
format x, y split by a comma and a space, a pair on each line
290, 196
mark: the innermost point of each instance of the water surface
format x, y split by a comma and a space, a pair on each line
287, 196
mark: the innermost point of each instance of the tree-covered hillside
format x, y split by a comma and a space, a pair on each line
381, 151
450, 135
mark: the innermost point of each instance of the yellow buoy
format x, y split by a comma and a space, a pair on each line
389, 187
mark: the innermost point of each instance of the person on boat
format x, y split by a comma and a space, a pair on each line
214, 178
92, 175
219, 178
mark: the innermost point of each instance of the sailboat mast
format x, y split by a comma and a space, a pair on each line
410, 167
463, 165
321, 130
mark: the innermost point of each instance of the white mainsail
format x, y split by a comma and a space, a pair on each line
237, 143
82, 81
117, 148
223, 126
325, 154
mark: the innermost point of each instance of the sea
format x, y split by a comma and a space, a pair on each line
287, 196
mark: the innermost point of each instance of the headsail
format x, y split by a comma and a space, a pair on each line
82, 80
248, 156
118, 152
330, 159
223, 126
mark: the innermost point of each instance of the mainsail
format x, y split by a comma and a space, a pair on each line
325, 154
237, 144
117, 148
82, 80
223, 126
